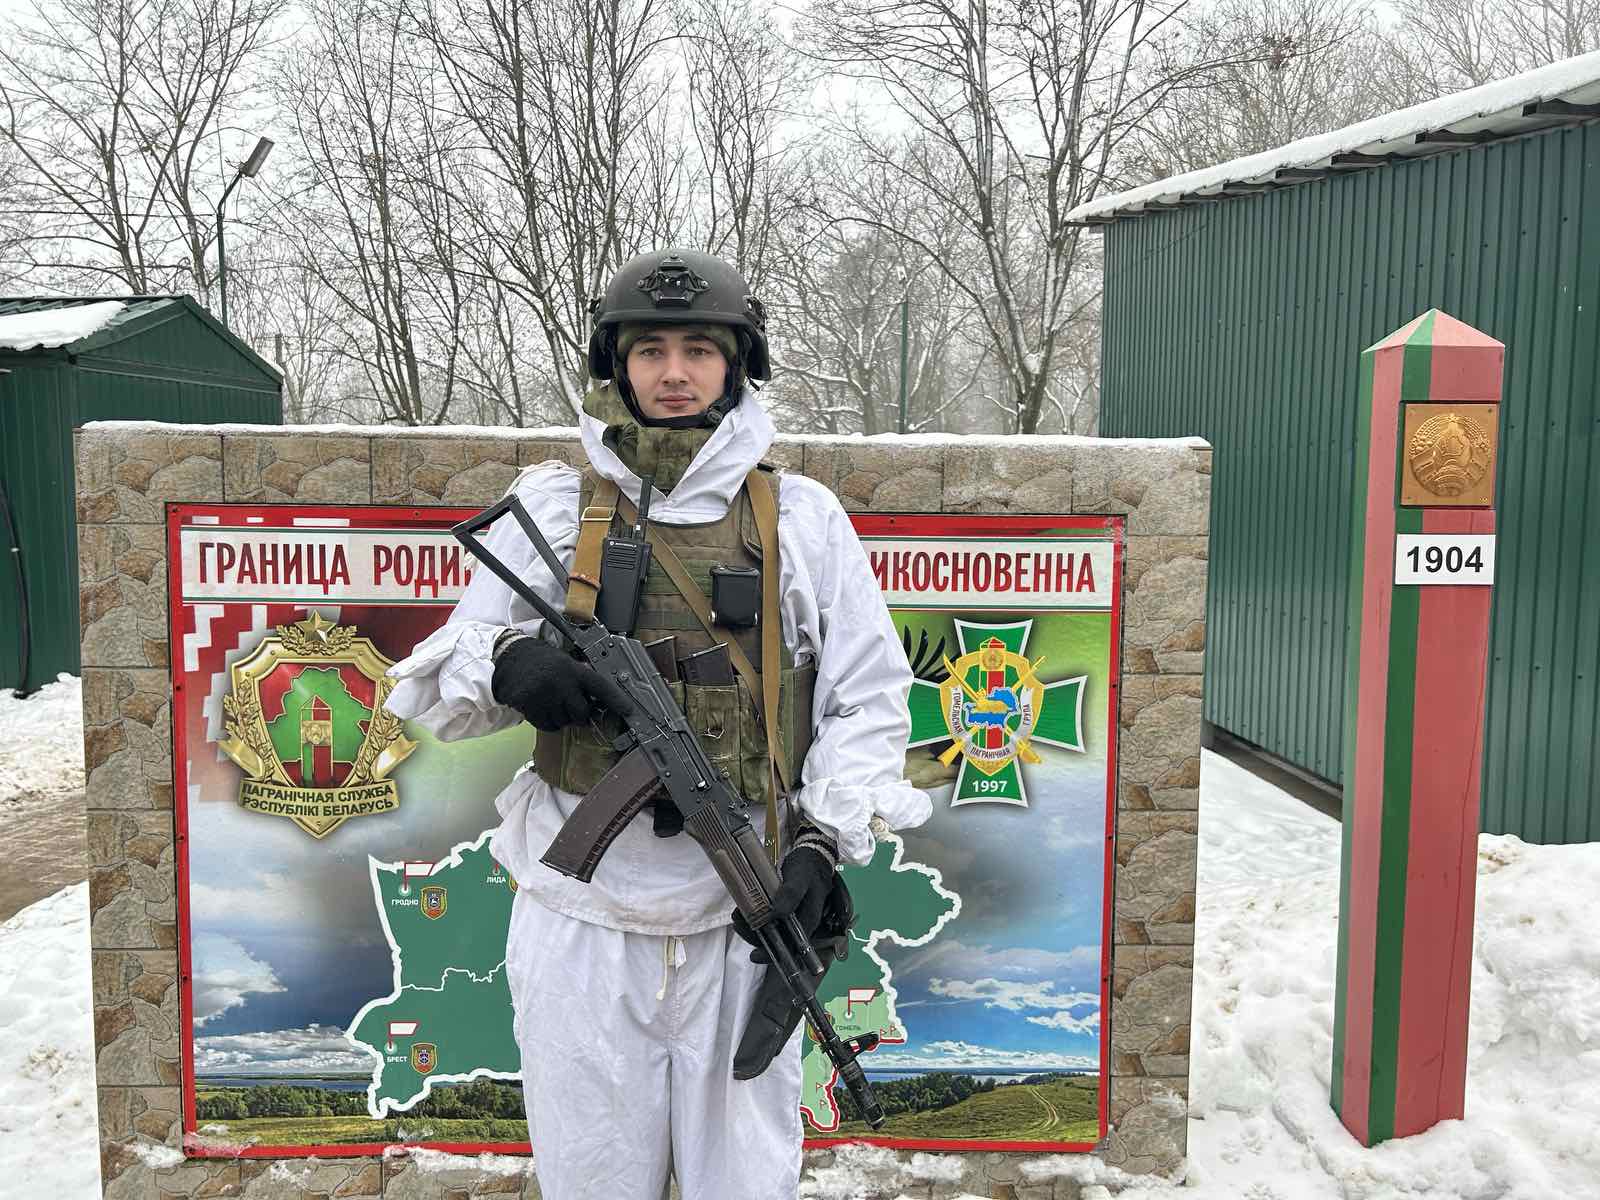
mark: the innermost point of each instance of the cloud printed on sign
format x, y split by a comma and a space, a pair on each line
225, 974
314, 1050
951, 1055
992, 899
1010, 994
955, 857
1018, 997
262, 898
1003, 963
1065, 1020
1069, 831
276, 901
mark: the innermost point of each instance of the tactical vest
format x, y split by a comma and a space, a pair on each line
727, 718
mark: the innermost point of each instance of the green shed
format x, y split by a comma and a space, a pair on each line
64, 362
1238, 300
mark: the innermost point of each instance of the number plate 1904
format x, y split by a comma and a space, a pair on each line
1444, 558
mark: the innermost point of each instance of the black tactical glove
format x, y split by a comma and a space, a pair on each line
775, 1014
807, 875
550, 688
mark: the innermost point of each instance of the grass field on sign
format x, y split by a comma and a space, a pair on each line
339, 1131
1061, 1110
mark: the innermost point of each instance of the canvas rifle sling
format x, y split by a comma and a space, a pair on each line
765, 509
583, 580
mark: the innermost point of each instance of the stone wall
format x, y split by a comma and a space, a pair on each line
126, 474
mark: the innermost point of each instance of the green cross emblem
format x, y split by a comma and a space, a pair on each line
994, 709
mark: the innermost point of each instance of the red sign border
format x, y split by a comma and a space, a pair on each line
865, 524
273, 516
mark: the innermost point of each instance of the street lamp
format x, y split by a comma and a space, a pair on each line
905, 345
246, 170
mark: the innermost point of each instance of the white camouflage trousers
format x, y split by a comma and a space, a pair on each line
627, 1044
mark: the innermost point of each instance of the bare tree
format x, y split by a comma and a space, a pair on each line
116, 108
20, 225
377, 207
1272, 71
1442, 46
280, 306
744, 84
1018, 111
1549, 30
1445, 45
562, 98
859, 313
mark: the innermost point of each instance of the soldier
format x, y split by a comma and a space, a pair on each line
646, 1048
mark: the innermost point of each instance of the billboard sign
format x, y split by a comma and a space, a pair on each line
342, 924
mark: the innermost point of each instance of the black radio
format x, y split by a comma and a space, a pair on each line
624, 563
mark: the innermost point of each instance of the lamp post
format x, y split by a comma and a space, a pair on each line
905, 350
247, 169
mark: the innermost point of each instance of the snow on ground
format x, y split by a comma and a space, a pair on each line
1260, 1126
41, 742
1262, 1043
48, 1134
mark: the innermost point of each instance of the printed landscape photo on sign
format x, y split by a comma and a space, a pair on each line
985, 945
342, 924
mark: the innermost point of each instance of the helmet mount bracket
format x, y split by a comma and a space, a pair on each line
673, 284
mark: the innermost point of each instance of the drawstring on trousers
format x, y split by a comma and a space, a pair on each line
672, 955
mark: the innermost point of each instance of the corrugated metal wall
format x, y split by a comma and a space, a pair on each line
36, 473
173, 366
1243, 322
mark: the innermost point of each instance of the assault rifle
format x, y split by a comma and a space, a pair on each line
660, 752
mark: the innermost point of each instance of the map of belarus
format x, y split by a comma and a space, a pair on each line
449, 1018
905, 902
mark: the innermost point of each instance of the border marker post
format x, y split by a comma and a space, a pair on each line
1421, 560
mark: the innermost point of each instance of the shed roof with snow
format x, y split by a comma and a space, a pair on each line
1237, 303
65, 361
1548, 97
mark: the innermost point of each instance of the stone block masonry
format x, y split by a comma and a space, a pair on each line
128, 472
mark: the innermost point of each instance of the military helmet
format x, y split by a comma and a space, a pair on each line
679, 287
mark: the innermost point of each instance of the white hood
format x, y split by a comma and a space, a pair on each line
714, 477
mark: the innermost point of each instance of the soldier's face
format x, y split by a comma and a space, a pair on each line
675, 374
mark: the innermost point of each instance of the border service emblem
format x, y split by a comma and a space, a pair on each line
992, 709
307, 726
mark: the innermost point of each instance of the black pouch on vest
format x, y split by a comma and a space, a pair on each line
710, 667
664, 653
624, 563
735, 596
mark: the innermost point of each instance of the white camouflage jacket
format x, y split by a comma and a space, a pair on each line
833, 614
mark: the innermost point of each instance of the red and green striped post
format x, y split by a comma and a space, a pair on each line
1413, 735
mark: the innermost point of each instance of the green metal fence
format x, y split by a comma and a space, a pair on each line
161, 359
1243, 322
